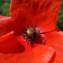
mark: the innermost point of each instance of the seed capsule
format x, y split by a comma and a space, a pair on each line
30, 32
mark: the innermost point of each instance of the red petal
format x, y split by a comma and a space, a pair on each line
9, 44
5, 25
11, 51
42, 13
36, 55
55, 40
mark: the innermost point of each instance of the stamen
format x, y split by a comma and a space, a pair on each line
32, 33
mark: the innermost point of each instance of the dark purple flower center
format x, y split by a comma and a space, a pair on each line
31, 34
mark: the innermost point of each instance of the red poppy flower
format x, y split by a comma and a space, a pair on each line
34, 21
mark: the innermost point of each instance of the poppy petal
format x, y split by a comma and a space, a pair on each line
34, 56
5, 25
42, 13
11, 51
9, 44
55, 40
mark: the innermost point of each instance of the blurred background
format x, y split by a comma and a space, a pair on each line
4, 6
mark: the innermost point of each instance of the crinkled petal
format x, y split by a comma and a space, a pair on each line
13, 50
42, 13
55, 40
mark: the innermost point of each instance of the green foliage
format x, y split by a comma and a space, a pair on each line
60, 18
4, 6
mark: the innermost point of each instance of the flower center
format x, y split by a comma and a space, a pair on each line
31, 34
